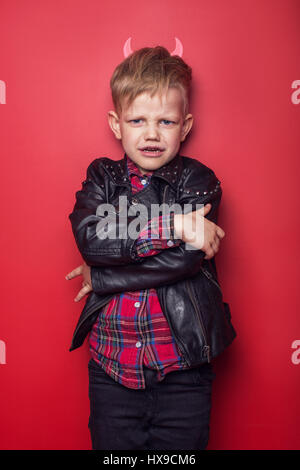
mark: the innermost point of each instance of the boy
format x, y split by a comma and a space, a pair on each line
155, 313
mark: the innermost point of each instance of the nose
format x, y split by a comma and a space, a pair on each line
151, 132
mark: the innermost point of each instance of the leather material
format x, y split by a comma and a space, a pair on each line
187, 285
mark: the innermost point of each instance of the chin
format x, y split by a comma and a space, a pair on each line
162, 160
153, 165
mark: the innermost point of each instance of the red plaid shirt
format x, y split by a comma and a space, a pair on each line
131, 330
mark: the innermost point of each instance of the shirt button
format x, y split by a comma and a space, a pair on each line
137, 304
170, 243
134, 201
138, 344
144, 182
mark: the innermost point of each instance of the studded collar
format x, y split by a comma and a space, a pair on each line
170, 172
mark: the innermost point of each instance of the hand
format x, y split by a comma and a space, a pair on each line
85, 271
207, 238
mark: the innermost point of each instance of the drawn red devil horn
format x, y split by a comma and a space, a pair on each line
127, 50
178, 48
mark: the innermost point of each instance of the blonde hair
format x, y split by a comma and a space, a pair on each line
152, 70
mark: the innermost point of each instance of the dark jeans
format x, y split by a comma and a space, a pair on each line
172, 414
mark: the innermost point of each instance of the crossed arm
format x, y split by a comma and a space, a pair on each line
112, 266
166, 267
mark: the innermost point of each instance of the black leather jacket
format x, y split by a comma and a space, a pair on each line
186, 284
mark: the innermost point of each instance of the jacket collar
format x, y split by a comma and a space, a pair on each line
170, 172
133, 169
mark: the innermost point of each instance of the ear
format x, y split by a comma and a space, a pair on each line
187, 125
114, 123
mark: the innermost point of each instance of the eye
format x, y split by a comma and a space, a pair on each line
135, 121
167, 121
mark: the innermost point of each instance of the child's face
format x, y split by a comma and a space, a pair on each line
151, 122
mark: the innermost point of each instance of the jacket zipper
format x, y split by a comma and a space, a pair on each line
164, 195
211, 278
206, 346
179, 344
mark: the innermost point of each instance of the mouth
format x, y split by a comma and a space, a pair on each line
152, 151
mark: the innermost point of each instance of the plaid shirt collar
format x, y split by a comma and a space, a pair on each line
134, 170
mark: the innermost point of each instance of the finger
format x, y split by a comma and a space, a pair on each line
215, 245
208, 251
85, 290
205, 209
213, 248
209, 254
220, 232
74, 273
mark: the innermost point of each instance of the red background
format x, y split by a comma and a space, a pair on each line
56, 59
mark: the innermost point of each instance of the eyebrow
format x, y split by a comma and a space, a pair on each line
166, 116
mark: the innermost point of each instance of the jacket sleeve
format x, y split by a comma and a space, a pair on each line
170, 265
95, 238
